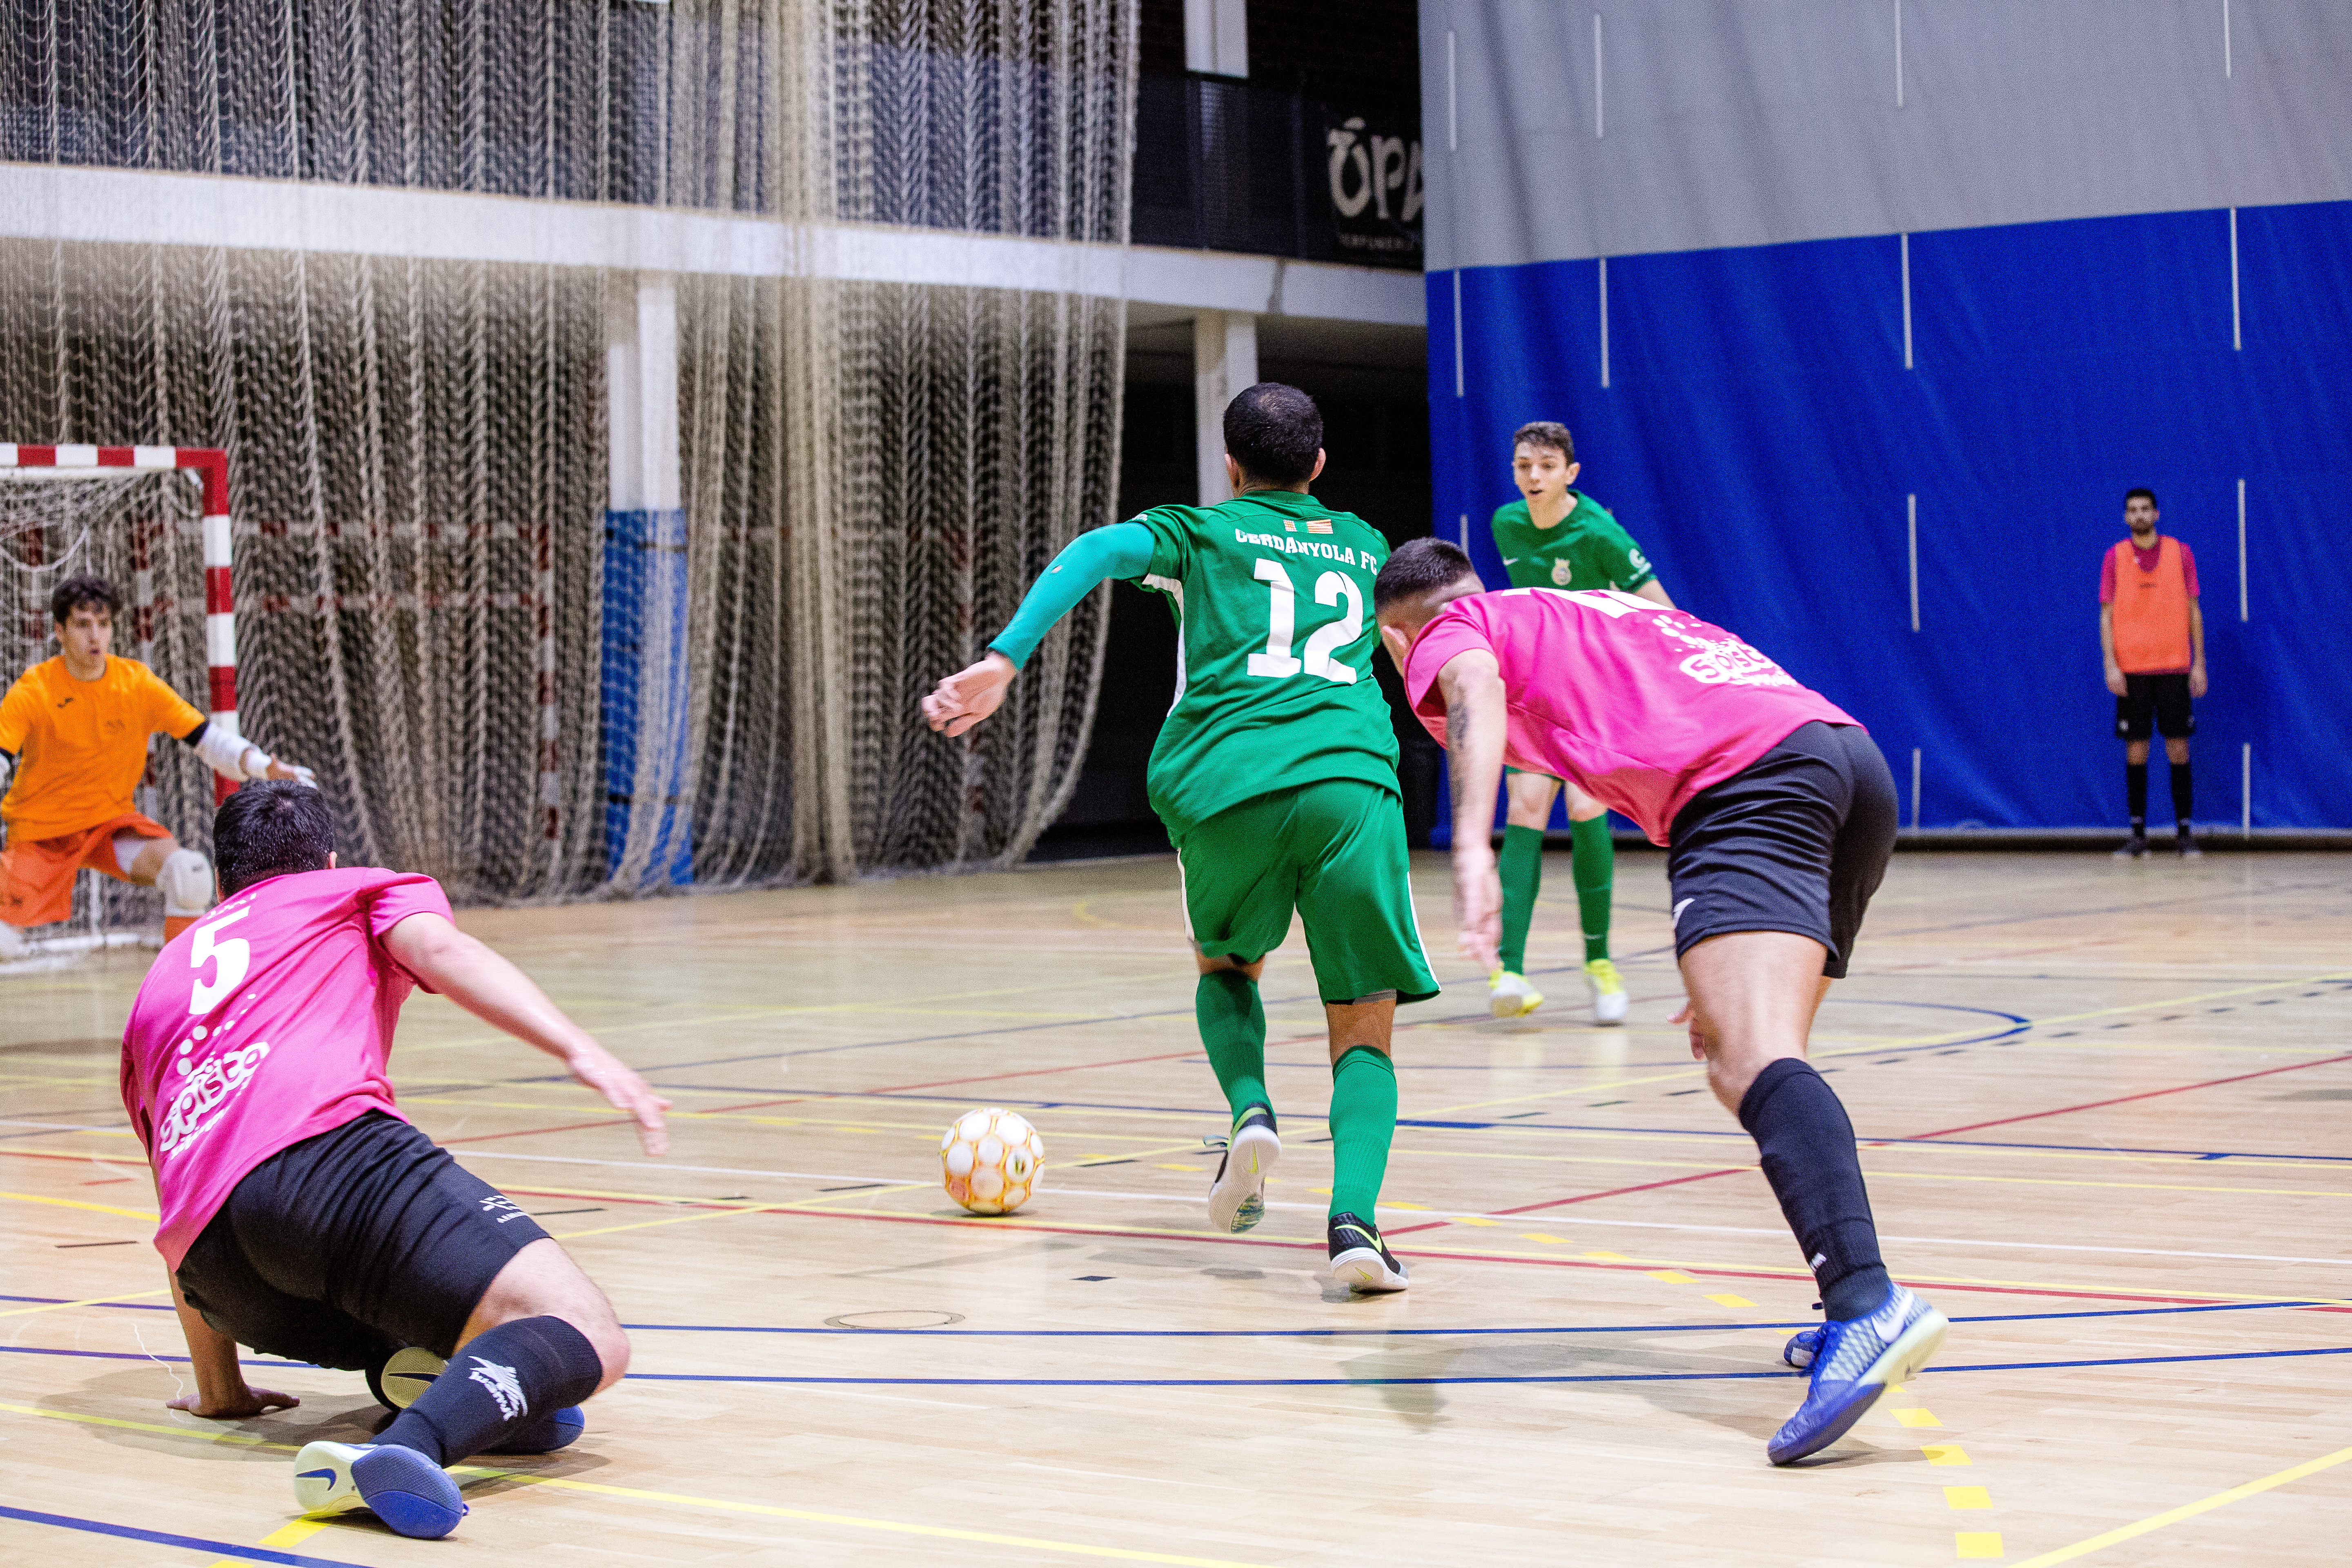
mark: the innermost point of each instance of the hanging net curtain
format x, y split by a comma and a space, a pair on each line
417, 449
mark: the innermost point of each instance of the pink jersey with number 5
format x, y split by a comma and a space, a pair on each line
1639, 706
264, 1022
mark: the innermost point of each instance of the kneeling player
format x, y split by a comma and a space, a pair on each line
303, 1215
74, 731
1778, 815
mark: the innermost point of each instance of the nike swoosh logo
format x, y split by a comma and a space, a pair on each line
315, 1475
1679, 908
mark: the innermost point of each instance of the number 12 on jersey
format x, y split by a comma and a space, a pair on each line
1278, 662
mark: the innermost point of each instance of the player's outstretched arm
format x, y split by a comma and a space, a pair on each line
972, 694
1475, 716
233, 757
471, 974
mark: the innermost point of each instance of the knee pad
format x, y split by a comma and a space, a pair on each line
187, 879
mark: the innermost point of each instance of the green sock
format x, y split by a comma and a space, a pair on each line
1521, 868
1232, 1026
1363, 1121
1594, 868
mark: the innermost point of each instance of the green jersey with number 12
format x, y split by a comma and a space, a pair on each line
1274, 689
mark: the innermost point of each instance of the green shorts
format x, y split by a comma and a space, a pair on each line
1334, 851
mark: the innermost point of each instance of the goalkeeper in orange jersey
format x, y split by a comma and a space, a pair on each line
73, 745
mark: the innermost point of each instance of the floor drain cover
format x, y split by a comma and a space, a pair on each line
900, 1318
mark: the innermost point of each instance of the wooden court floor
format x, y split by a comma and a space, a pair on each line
2104, 1112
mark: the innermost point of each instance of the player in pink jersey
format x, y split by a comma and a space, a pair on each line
1778, 816
301, 1215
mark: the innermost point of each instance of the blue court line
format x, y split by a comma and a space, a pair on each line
1496, 1377
163, 1538
1249, 1334
123, 1305
1409, 1334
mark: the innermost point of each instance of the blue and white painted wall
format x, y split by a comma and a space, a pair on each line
1866, 313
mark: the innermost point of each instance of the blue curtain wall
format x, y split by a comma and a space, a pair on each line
1761, 435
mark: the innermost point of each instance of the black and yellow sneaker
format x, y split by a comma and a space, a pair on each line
1237, 1195
1360, 1260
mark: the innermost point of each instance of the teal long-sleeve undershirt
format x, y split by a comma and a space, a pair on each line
1122, 549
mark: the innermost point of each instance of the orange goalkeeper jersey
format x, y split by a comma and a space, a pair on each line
81, 745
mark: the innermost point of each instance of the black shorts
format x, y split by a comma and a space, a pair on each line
2163, 699
348, 1246
1796, 841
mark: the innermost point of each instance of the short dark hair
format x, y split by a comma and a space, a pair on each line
1545, 433
75, 592
1419, 566
270, 828
1274, 431
2137, 491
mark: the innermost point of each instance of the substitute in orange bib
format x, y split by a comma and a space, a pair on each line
2153, 637
73, 745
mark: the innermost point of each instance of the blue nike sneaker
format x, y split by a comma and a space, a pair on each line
401, 1485
543, 1433
1853, 1360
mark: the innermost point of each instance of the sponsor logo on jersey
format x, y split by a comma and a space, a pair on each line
197, 1108
1562, 574
1641, 561
1320, 525
506, 1208
1729, 662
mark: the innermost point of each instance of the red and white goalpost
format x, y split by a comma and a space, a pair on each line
209, 467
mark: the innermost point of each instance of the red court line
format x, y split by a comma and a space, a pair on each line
841, 1094
2127, 1099
950, 1082
533, 1132
1585, 1197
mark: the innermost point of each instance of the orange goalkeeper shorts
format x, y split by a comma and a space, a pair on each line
37, 875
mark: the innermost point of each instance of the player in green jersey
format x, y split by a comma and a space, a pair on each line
1558, 537
1275, 773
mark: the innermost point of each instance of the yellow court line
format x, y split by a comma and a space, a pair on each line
724, 1505
2188, 1511
78, 1204
92, 1302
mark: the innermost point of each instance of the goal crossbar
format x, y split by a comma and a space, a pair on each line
209, 467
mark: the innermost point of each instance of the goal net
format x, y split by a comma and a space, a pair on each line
151, 521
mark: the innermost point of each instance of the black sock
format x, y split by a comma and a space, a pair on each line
1807, 1143
2136, 796
2182, 795
513, 1376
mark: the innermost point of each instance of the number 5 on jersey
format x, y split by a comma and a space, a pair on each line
230, 960
1278, 662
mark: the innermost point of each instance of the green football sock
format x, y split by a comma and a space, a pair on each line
1595, 868
1232, 1026
1521, 868
1363, 1121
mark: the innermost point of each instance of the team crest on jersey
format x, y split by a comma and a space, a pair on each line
1562, 574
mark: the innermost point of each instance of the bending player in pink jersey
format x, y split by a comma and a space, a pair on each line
1778, 816
301, 1215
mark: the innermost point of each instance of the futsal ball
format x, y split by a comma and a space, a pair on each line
990, 1158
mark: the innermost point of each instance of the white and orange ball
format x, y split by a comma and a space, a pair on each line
990, 1158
